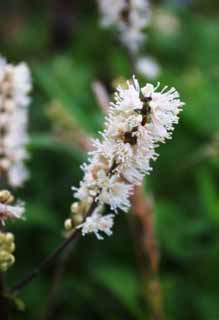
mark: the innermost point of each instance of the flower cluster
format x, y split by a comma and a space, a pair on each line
15, 85
7, 247
138, 120
8, 211
129, 17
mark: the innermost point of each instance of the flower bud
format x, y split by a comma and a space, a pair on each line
7, 246
77, 219
68, 224
9, 237
75, 207
3, 267
6, 197
5, 164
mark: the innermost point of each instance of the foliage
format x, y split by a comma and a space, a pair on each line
102, 278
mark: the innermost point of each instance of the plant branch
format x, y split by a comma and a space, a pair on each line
57, 278
4, 311
49, 259
44, 264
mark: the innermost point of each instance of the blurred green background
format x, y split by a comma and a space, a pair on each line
67, 50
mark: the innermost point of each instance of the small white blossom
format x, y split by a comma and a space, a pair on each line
11, 212
148, 67
138, 120
15, 85
115, 193
111, 11
97, 223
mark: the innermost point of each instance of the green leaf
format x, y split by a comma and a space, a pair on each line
123, 283
208, 196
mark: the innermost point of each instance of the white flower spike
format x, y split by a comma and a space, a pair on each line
138, 120
129, 17
15, 85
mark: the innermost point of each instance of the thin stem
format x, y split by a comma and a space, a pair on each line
57, 278
4, 311
49, 259
44, 264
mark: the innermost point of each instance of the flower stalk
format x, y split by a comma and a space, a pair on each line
45, 263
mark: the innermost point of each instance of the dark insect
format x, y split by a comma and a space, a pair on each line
130, 138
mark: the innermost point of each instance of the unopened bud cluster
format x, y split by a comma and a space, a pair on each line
7, 247
78, 213
8, 211
15, 85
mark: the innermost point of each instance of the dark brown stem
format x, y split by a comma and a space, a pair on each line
57, 278
44, 264
51, 258
4, 310
63, 20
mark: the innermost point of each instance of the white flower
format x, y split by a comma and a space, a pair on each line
22, 84
127, 99
148, 67
11, 212
165, 107
128, 17
138, 121
115, 193
15, 85
17, 174
111, 11
97, 223
133, 37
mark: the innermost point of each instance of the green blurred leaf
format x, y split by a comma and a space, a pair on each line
208, 196
124, 285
